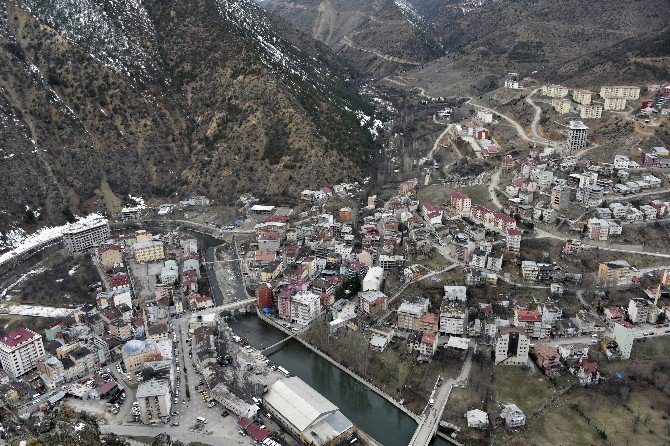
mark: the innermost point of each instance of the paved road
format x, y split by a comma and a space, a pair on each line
433, 413
519, 129
493, 185
536, 117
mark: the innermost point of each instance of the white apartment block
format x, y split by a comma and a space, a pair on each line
624, 334
305, 307
512, 346
638, 310
19, 351
554, 91
615, 103
624, 91
85, 234
529, 270
591, 111
453, 319
582, 97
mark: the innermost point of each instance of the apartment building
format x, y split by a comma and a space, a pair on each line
550, 312
149, 251
613, 271
410, 312
624, 335
614, 103
529, 270
461, 203
562, 106
453, 318
154, 401
85, 234
513, 240
429, 323
560, 197
512, 346
305, 306
577, 133
642, 310
591, 111
554, 91
531, 322
581, 96
19, 351
598, 229
136, 352
591, 196
624, 91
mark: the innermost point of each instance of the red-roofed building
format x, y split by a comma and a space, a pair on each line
198, 302
428, 345
107, 387
258, 434
431, 213
587, 372
429, 323
119, 282
531, 322
244, 422
546, 357
264, 296
503, 222
19, 350
613, 314
482, 215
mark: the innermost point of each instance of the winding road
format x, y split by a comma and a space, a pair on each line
536, 117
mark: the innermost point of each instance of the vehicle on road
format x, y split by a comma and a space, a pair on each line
225, 414
202, 420
431, 402
175, 423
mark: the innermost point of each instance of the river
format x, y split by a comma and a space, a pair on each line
367, 410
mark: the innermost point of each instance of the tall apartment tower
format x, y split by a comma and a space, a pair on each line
576, 136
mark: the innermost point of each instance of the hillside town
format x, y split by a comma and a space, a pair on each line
536, 264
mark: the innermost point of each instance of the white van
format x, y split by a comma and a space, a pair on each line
201, 420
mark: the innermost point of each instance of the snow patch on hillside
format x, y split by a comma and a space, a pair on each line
41, 238
86, 24
409, 12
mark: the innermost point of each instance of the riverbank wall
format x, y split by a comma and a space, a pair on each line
346, 370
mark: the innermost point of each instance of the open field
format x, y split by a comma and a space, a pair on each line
60, 281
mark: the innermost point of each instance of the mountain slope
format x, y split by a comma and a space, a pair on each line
164, 96
538, 34
377, 37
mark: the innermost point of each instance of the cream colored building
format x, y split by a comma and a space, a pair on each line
582, 97
151, 251
591, 111
554, 91
136, 352
615, 103
562, 106
624, 91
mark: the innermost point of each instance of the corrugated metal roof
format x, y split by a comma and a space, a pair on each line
298, 402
